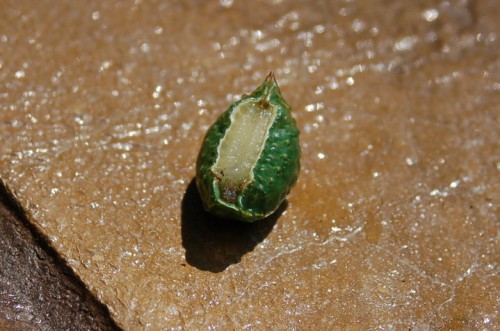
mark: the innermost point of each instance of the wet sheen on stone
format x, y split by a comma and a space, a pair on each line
393, 223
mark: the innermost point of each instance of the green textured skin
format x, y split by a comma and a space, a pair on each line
274, 174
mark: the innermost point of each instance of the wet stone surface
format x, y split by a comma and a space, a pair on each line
393, 222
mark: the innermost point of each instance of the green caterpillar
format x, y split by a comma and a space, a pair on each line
250, 157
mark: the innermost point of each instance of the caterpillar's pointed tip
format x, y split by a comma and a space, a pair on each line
270, 77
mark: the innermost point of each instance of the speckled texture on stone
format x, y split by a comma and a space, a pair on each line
393, 223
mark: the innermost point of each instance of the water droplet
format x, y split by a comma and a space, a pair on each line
405, 44
158, 30
145, 48
226, 3
410, 161
20, 74
430, 15
358, 25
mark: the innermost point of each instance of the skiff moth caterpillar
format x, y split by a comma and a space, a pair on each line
250, 157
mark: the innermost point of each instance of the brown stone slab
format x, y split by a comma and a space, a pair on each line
394, 220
